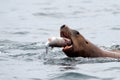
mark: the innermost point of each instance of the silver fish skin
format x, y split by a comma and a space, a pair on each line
58, 42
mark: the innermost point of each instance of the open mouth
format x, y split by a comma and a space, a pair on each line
65, 35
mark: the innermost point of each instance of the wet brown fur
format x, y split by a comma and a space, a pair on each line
82, 47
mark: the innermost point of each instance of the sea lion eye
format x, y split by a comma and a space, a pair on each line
77, 33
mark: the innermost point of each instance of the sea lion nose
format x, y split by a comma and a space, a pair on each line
62, 26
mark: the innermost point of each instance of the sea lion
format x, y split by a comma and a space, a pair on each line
81, 47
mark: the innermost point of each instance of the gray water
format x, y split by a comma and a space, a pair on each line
25, 26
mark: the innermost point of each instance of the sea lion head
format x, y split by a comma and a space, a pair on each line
78, 45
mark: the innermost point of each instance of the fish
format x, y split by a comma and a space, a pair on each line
57, 42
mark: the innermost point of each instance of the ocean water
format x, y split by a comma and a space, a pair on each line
25, 26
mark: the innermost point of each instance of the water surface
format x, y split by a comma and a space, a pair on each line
25, 26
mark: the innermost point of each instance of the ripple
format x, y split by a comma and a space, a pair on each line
115, 28
29, 46
115, 47
112, 68
23, 55
67, 68
35, 79
21, 32
27, 51
74, 61
108, 79
8, 45
44, 29
45, 14
73, 76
